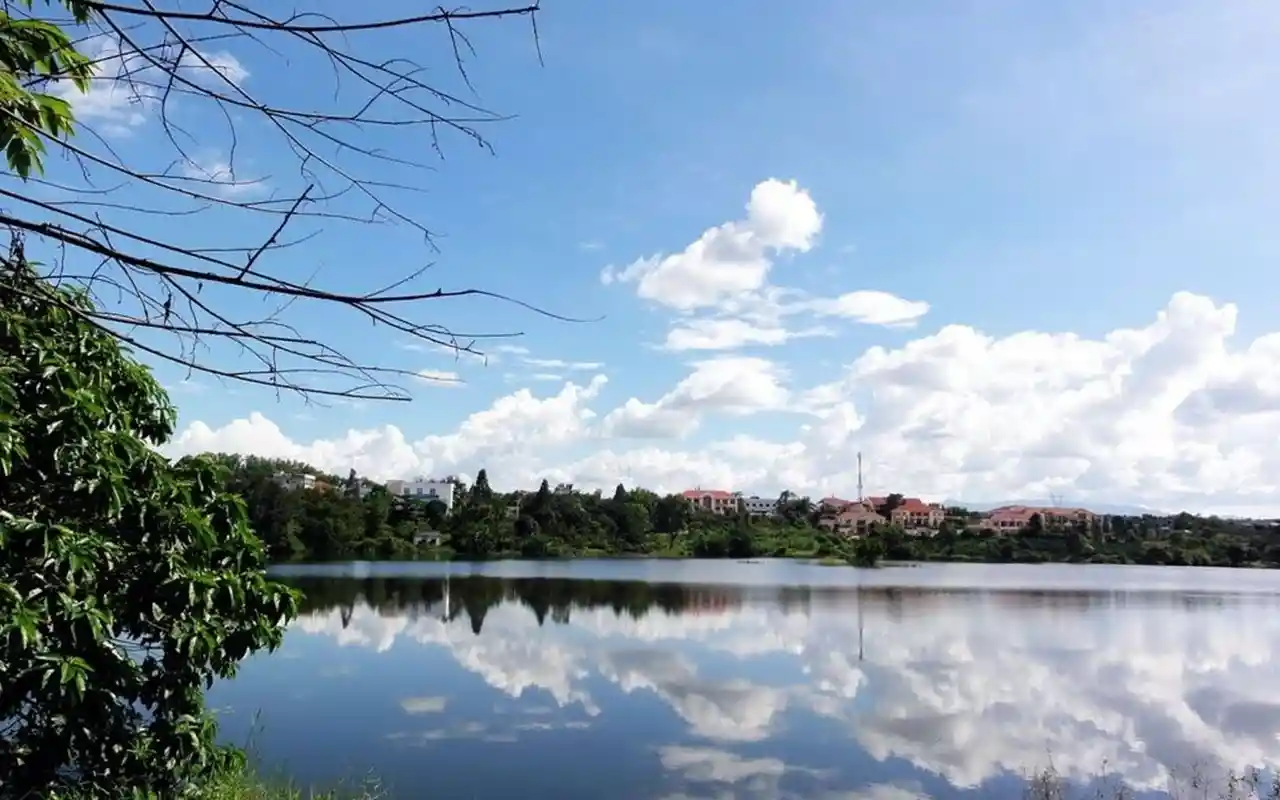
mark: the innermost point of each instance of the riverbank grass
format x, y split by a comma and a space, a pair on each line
248, 784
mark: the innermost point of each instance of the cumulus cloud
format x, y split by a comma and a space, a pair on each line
728, 385
732, 258
1174, 414
724, 275
127, 87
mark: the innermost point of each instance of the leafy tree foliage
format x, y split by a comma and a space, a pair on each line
127, 583
1181, 540
335, 522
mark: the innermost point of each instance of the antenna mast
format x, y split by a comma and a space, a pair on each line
859, 476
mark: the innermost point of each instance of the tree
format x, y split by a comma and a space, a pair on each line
670, 514
866, 551
181, 299
1035, 525
127, 584
890, 503
480, 490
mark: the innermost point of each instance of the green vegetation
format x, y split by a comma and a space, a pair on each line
242, 782
1181, 540
127, 583
335, 522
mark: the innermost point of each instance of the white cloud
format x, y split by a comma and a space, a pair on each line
732, 258
556, 363
730, 385
712, 765
871, 308
724, 276
729, 334
220, 176
1174, 414
511, 349
213, 69
438, 377
127, 86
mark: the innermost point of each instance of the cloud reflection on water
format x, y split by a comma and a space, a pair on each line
968, 686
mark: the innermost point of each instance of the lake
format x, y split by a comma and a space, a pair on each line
665, 679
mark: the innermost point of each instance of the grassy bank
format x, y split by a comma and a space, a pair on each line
250, 784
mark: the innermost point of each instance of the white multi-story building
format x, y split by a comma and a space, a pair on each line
425, 490
760, 506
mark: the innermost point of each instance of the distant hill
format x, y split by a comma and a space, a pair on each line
1100, 508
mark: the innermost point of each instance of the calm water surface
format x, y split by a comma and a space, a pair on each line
663, 679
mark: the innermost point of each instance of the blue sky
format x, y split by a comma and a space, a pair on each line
1052, 167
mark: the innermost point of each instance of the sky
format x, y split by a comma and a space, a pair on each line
1003, 250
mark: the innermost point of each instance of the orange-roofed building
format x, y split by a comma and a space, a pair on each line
853, 520
714, 501
1015, 518
834, 503
915, 513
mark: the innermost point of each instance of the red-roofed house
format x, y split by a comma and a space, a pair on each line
834, 503
853, 520
915, 513
714, 501
1015, 518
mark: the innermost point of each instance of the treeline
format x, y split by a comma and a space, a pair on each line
353, 518
350, 517
1184, 540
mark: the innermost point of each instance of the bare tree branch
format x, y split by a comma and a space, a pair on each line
157, 63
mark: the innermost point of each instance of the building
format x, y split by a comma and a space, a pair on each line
294, 480
425, 490
714, 501
853, 520
760, 506
1015, 518
913, 512
834, 503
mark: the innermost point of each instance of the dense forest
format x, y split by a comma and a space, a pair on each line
353, 518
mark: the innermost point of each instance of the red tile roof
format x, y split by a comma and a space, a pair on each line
694, 494
1026, 512
856, 512
914, 505
836, 502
